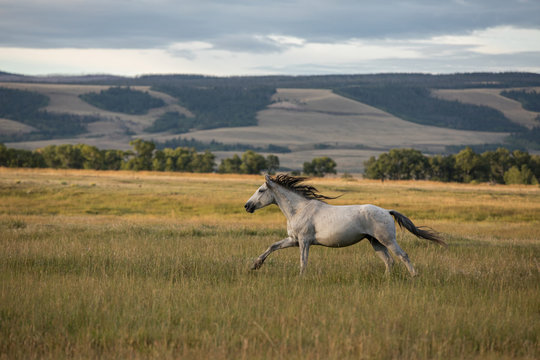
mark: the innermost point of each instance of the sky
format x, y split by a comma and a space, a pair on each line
269, 37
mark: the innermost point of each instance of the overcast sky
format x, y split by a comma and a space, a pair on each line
252, 37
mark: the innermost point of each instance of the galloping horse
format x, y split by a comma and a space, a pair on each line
311, 221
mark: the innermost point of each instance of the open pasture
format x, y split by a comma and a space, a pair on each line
147, 265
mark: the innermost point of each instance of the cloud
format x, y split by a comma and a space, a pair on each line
237, 23
188, 50
255, 37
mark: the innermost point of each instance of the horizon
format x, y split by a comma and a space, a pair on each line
50, 75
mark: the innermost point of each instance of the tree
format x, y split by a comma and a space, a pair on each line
470, 166
20, 158
272, 163
143, 155
113, 159
522, 175
521, 158
49, 156
230, 165
498, 162
93, 158
372, 170
320, 166
184, 157
204, 162
252, 163
408, 164
69, 156
442, 168
3, 155
158, 163
398, 164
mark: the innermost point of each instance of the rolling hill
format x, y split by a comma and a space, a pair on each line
310, 121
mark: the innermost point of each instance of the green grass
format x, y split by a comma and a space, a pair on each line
158, 268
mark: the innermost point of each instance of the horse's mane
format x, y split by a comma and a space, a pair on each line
295, 183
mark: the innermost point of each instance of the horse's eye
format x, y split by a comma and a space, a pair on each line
262, 190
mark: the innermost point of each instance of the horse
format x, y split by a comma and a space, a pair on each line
311, 221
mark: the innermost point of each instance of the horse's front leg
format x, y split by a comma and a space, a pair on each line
282, 244
304, 253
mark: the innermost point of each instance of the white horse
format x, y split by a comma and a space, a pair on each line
311, 221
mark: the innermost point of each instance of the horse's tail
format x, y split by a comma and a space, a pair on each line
421, 232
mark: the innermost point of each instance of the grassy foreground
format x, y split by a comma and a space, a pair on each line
145, 265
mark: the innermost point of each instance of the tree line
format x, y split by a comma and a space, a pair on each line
144, 156
500, 166
437, 81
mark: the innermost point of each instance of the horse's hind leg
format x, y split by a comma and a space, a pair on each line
391, 243
383, 253
402, 255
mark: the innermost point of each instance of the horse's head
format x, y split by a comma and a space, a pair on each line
262, 197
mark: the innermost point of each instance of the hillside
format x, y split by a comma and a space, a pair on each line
315, 122
512, 109
310, 121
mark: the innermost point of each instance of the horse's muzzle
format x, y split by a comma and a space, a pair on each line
250, 207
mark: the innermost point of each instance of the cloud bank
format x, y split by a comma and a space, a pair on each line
241, 37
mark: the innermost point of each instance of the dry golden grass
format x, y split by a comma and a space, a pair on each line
155, 265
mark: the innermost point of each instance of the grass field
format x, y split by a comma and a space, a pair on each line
146, 265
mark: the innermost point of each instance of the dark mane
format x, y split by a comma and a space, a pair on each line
295, 183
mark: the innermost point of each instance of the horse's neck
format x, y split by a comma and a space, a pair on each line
288, 201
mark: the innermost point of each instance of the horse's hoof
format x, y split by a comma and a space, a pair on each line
256, 265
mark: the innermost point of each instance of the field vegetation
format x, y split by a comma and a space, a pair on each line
104, 264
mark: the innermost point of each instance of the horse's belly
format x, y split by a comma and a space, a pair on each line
336, 238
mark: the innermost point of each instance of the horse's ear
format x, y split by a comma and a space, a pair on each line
267, 178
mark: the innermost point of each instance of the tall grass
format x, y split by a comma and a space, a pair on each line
125, 265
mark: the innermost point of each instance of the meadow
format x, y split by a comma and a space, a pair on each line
156, 265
